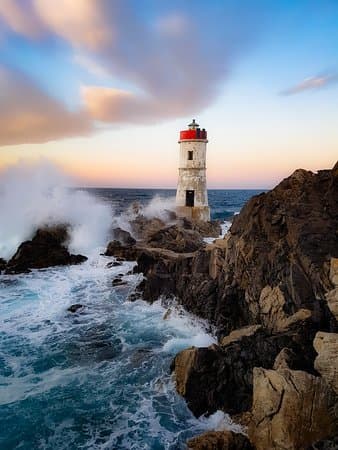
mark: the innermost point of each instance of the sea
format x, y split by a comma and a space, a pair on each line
99, 378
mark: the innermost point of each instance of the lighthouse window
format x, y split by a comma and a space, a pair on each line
190, 155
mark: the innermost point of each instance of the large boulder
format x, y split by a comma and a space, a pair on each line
47, 248
220, 440
177, 239
221, 377
291, 410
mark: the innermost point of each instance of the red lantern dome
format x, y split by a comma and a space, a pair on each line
194, 132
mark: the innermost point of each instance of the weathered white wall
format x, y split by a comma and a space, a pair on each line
192, 176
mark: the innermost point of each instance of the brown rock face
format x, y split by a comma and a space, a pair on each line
291, 410
176, 239
326, 363
220, 440
222, 377
46, 249
285, 239
332, 296
207, 229
143, 227
119, 250
273, 266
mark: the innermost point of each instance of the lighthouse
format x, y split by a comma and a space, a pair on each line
191, 194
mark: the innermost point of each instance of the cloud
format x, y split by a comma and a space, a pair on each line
90, 65
172, 61
28, 114
312, 83
21, 17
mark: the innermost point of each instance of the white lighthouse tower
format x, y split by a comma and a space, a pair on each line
191, 195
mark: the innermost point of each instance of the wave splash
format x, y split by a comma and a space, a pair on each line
34, 195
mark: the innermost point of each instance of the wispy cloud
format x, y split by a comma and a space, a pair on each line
174, 63
312, 83
28, 114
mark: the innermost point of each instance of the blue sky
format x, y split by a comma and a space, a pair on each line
103, 88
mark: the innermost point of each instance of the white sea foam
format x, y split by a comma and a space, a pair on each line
32, 195
220, 421
224, 229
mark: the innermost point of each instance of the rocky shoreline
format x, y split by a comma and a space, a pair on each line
270, 290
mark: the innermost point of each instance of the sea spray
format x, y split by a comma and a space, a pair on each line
157, 207
38, 194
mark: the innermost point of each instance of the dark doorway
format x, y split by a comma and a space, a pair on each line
190, 155
189, 198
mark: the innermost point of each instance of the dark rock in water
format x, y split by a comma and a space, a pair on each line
160, 268
177, 239
118, 282
222, 377
3, 264
220, 440
211, 228
134, 296
46, 249
74, 308
123, 236
114, 264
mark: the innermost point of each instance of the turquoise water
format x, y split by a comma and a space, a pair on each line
95, 379
99, 378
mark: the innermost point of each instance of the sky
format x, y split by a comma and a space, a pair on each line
102, 87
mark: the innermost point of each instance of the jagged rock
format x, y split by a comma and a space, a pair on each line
176, 239
119, 282
114, 264
123, 236
272, 267
291, 410
46, 249
143, 227
74, 308
206, 229
285, 239
222, 377
237, 335
326, 363
220, 440
286, 359
160, 269
117, 249
332, 296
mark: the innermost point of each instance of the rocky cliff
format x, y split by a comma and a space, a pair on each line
272, 268
269, 286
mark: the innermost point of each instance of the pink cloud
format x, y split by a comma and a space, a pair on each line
27, 114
